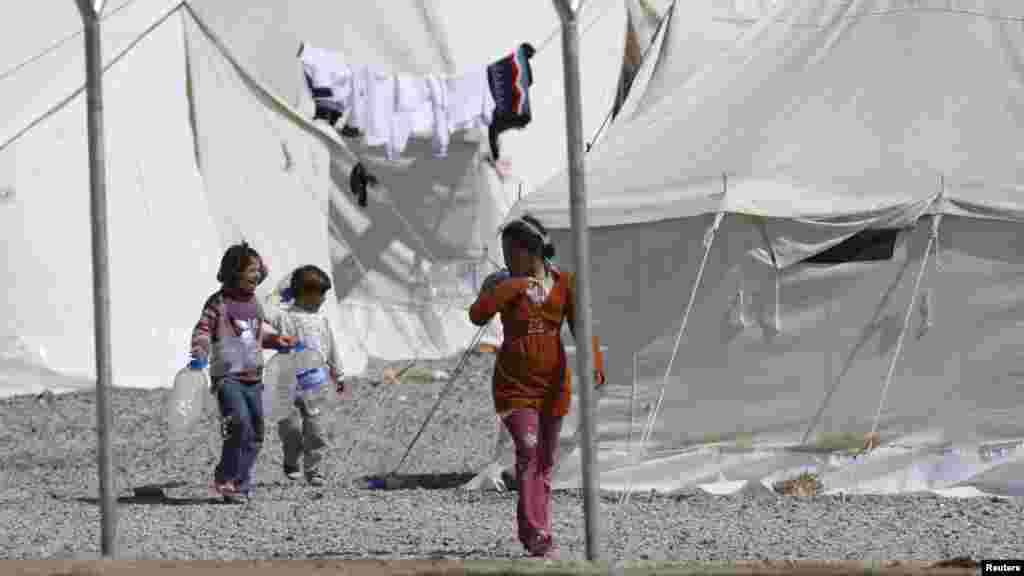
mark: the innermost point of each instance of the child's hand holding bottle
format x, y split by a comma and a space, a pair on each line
283, 343
198, 363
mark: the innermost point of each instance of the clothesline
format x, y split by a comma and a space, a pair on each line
64, 102
387, 108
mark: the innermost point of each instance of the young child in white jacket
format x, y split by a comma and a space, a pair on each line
301, 432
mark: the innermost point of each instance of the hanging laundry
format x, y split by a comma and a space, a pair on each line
329, 80
470, 102
510, 79
361, 105
380, 109
358, 181
413, 111
387, 110
438, 91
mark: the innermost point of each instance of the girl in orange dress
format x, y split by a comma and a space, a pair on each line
532, 379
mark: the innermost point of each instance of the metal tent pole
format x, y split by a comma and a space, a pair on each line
100, 271
581, 259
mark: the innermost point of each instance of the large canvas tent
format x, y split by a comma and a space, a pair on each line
209, 142
841, 195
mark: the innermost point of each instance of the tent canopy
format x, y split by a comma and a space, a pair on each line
826, 109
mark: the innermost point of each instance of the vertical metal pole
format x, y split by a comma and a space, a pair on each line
581, 261
100, 274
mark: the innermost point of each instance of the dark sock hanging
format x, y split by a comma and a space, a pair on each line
358, 180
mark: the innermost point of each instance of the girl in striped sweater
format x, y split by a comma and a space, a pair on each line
228, 339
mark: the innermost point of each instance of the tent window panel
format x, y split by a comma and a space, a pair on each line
864, 246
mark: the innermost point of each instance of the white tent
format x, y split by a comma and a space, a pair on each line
842, 196
209, 141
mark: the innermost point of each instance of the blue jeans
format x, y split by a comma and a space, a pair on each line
241, 410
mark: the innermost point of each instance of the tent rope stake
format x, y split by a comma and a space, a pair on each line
708, 242
444, 394
932, 238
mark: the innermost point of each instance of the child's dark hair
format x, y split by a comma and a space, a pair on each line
235, 260
528, 231
298, 278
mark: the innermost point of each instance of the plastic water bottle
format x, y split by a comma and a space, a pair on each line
278, 386
184, 407
311, 372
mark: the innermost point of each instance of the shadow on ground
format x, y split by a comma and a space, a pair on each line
155, 494
436, 481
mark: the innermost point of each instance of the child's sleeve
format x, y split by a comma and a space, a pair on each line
202, 334
486, 305
273, 328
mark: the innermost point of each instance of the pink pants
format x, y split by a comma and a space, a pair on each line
536, 438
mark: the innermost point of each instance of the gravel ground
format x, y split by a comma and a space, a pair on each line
48, 490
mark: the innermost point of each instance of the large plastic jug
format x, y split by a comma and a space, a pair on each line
278, 386
184, 408
311, 373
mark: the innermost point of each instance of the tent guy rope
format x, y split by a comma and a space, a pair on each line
444, 394
836, 379
58, 44
80, 90
932, 237
708, 241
